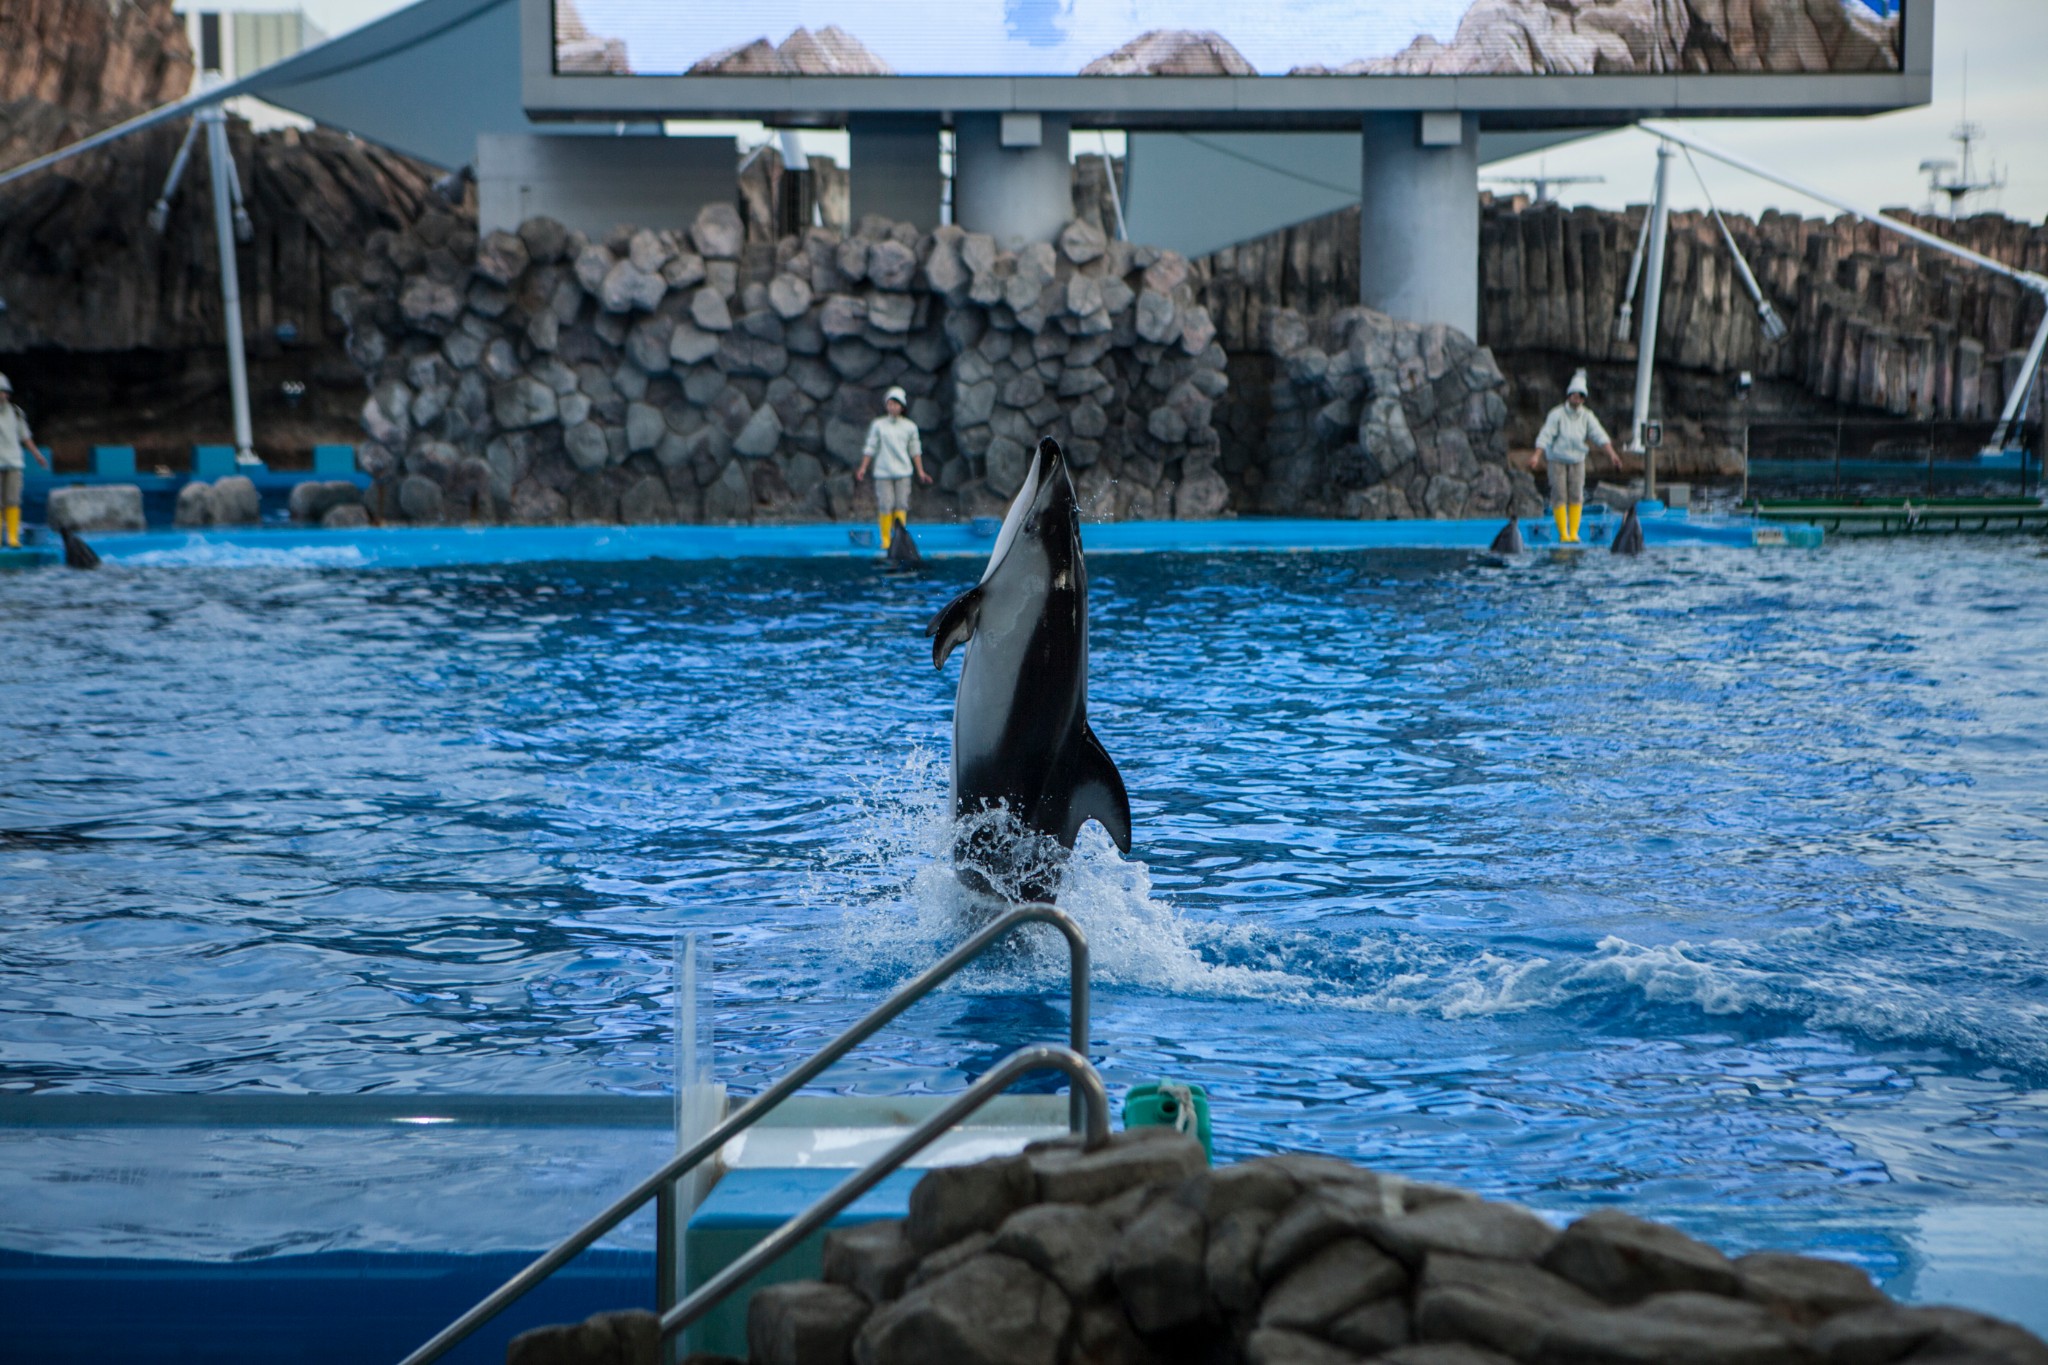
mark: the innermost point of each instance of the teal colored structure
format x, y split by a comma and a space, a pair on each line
1164, 1104
213, 462
113, 462
334, 462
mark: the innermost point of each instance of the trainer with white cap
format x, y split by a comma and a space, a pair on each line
895, 451
14, 438
1568, 433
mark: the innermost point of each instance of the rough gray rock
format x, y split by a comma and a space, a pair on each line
1158, 1266
313, 501
1071, 1243
872, 1259
803, 1323
96, 507
348, 516
990, 1310
624, 1338
195, 505
952, 1201
1142, 1156
1344, 1275
235, 502
1622, 1258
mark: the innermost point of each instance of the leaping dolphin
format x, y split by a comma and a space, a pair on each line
1022, 749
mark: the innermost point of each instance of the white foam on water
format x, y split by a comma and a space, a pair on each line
904, 905
210, 554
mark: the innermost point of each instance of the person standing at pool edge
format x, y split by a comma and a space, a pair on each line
895, 451
14, 438
1568, 433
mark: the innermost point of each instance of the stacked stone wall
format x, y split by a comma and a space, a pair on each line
697, 376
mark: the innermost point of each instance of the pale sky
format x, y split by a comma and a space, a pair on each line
1871, 160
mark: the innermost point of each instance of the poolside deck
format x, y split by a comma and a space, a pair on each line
428, 546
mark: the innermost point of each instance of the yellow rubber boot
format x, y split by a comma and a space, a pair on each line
888, 524
1574, 509
1564, 527
14, 528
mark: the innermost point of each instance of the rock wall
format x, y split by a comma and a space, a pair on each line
93, 57
1139, 1253
664, 375
1370, 417
113, 332
1878, 326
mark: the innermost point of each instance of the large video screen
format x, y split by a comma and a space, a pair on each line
1221, 37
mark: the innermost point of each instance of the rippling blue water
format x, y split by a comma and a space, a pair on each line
1711, 881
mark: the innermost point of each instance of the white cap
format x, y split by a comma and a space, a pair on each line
6, 384
896, 395
1577, 386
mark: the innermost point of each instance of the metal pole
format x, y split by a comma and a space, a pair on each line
230, 278
736, 1123
1082, 1077
1653, 301
1635, 276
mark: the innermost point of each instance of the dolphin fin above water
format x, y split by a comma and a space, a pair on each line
1095, 791
1509, 541
954, 625
1628, 538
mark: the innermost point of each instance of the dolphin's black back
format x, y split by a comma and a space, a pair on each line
78, 554
1509, 541
1628, 540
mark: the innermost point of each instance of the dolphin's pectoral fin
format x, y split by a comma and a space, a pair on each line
1095, 792
954, 625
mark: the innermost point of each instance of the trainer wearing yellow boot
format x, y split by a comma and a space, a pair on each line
1568, 433
894, 450
14, 438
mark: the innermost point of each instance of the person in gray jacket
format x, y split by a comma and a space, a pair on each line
15, 437
895, 452
1569, 433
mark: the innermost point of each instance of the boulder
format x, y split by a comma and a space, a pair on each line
235, 502
951, 1201
1622, 1258
631, 1337
805, 1323
502, 257
989, 1310
348, 516
313, 501
195, 505
718, 232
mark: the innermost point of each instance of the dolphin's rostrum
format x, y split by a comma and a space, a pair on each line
1027, 770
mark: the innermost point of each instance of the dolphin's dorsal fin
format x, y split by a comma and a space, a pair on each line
954, 624
1096, 792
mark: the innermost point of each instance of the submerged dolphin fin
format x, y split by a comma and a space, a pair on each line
1096, 792
954, 625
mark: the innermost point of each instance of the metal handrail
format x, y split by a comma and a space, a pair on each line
1086, 1083
802, 1074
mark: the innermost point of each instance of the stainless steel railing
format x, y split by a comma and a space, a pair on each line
661, 1183
1086, 1085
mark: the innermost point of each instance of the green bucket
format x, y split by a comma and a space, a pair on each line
1165, 1104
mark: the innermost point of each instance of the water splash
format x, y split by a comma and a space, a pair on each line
904, 903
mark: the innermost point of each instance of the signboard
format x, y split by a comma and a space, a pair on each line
1268, 38
1263, 63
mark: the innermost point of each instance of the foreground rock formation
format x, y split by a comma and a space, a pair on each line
1139, 1253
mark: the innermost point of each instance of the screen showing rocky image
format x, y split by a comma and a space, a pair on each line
1221, 37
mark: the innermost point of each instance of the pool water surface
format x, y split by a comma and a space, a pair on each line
1710, 883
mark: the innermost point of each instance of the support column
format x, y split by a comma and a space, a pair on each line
1011, 176
1418, 224
895, 171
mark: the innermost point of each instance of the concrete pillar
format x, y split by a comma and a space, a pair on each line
895, 171
1418, 226
1011, 177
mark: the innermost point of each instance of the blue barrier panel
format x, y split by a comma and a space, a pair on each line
213, 462
113, 462
334, 462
